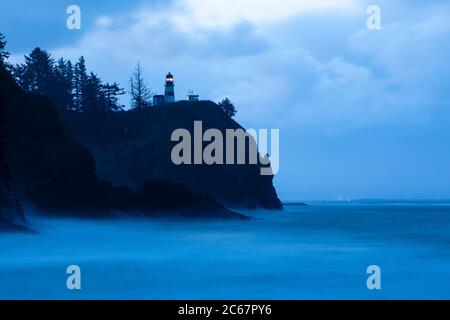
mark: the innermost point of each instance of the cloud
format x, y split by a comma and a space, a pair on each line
232, 48
104, 21
191, 15
411, 55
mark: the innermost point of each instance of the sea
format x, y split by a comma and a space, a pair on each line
320, 251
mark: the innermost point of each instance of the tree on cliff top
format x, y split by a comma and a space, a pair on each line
112, 91
3, 54
36, 74
139, 91
228, 107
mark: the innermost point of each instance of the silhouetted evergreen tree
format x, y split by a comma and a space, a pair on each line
3, 54
111, 93
140, 93
80, 80
93, 98
228, 107
36, 74
63, 93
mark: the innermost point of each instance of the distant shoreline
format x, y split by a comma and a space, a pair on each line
368, 201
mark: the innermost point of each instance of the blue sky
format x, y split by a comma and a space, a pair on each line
362, 113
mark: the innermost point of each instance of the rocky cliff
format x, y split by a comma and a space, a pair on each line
131, 147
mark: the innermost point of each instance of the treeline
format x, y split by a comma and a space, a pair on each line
68, 84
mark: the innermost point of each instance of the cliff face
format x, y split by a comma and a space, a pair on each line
11, 213
131, 147
55, 173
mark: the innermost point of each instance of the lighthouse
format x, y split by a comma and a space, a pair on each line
169, 92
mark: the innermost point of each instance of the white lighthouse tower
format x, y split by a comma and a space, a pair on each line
169, 92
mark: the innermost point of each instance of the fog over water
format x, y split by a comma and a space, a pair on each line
319, 251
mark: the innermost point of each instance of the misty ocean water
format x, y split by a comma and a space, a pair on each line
316, 252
